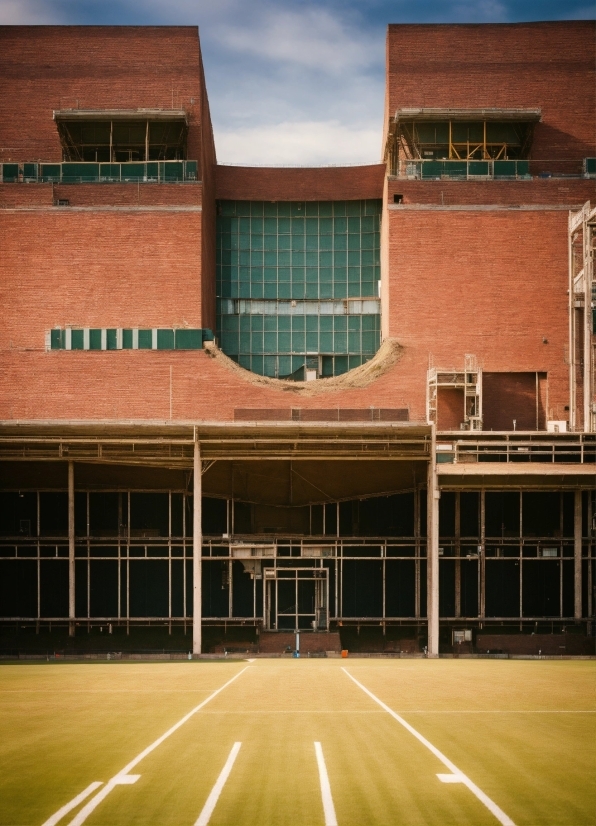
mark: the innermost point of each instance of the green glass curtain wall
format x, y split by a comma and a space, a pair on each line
273, 260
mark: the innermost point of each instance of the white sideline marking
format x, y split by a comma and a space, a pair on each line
450, 778
328, 807
205, 816
72, 805
490, 805
123, 777
119, 780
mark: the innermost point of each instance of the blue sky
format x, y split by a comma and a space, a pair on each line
298, 82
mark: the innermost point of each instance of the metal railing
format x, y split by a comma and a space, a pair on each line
83, 172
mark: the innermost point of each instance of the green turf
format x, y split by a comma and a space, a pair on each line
523, 731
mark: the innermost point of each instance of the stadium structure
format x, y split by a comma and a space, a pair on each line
355, 402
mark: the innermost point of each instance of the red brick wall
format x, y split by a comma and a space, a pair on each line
487, 282
450, 408
509, 396
324, 184
569, 191
118, 268
85, 195
523, 65
208, 161
43, 68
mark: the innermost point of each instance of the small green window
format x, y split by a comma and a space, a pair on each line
145, 339
165, 339
127, 339
95, 339
57, 339
111, 339
188, 339
77, 340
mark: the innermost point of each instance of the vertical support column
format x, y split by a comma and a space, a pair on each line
577, 555
432, 552
197, 550
482, 559
71, 550
457, 554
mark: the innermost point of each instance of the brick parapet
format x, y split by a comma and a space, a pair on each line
566, 191
104, 194
244, 183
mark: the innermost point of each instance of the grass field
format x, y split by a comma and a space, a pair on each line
518, 734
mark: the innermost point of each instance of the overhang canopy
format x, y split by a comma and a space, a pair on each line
120, 114
500, 115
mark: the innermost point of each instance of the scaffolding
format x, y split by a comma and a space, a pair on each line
582, 296
460, 135
468, 380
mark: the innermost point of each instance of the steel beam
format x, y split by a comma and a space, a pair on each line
433, 494
71, 550
577, 555
197, 547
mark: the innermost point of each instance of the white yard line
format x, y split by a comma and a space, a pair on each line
328, 807
123, 776
496, 711
205, 816
485, 799
55, 818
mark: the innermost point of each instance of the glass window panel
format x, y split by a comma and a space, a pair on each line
284, 342
270, 342
312, 342
270, 366
326, 342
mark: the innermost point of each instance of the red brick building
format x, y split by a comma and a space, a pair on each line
380, 379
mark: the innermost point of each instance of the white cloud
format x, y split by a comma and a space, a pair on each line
299, 143
478, 11
313, 38
27, 13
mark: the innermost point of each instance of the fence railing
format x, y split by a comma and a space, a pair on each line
83, 172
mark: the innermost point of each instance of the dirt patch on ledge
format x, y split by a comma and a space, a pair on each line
388, 354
